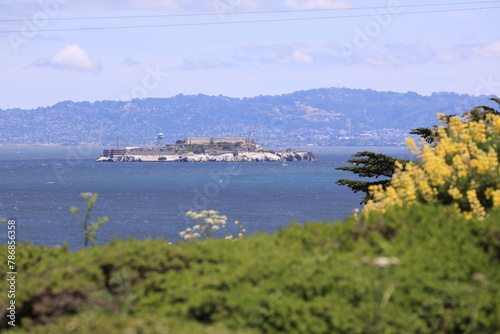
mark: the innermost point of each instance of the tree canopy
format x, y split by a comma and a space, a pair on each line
369, 164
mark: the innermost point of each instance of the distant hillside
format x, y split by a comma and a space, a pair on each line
327, 116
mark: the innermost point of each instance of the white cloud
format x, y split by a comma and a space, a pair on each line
28, 7
130, 62
223, 6
155, 4
74, 57
215, 6
254, 54
447, 57
71, 57
281, 54
204, 64
320, 4
210, 6
489, 50
404, 54
302, 58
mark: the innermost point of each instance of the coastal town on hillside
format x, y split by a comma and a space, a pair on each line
321, 117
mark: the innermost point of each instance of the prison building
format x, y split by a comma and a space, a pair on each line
215, 140
200, 141
113, 152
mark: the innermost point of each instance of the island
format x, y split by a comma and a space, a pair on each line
195, 149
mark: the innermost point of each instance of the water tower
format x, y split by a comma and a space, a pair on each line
160, 140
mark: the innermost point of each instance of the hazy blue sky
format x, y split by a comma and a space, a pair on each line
378, 44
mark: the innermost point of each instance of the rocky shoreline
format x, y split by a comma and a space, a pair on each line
278, 156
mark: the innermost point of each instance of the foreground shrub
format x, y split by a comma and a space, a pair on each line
420, 270
461, 170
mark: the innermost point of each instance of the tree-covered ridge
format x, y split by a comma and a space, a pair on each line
327, 116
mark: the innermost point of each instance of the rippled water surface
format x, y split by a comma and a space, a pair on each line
149, 200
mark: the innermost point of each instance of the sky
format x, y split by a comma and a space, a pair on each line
92, 50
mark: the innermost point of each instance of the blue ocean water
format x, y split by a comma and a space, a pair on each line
149, 200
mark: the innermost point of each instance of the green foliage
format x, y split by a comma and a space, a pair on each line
479, 113
99, 322
380, 165
369, 164
461, 169
421, 270
89, 229
228, 146
425, 133
200, 148
195, 148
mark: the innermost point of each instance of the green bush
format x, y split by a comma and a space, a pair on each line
195, 148
424, 269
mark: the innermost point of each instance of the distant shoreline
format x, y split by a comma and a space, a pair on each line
46, 145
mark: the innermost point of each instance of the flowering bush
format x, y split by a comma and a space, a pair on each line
207, 223
461, 170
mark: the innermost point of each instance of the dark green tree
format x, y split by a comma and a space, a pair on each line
377, 165
428, 133
369, 164
480, 112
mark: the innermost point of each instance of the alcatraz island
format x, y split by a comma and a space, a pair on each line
195, 149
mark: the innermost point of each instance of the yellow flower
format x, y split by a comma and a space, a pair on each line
475, 205
495, 123
455, 193
494, 195
463, 161
496, 198
412, 147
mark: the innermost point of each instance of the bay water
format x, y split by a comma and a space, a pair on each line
38, 185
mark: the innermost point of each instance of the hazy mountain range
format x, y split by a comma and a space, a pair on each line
327, 116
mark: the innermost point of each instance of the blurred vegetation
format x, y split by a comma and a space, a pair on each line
460, 170
375, 165
89, 228
423, 269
